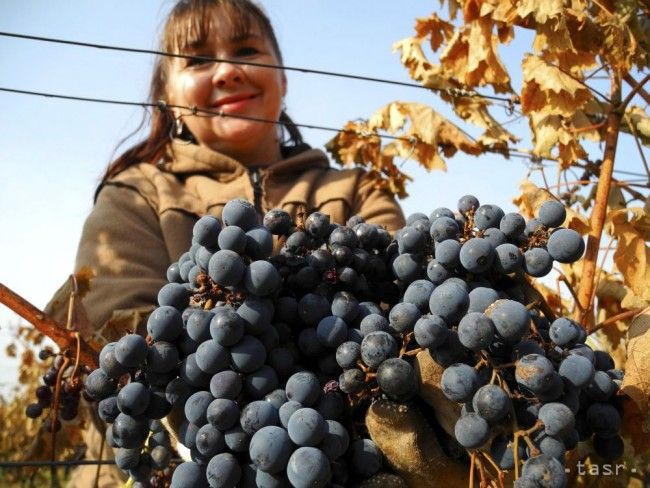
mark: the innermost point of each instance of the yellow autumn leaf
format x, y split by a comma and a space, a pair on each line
637, 122
541, 12
475, 111
532, 197
425, 125
632, 255
636, 383
435, 28
471, 57
419, 67
549, 91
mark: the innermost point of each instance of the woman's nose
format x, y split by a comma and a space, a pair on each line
226, 73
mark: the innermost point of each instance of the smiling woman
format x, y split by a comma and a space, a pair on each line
190, 165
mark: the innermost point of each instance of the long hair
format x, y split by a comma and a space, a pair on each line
189, 24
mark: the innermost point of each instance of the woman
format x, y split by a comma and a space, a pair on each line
192, 163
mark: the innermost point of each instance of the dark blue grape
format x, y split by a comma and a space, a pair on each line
206, 231
558, 419
232, 238
177, 392
332, 331
534, 372
397, 379
258, 414
418, 293
564, 332
543, 470
491, 402
259, 243
190, 372
277, 398
248, 354
239, 212
237, 439
270, 449
537, 262
308, 467
512, 225
107, 409
476, 331
260, 382
609, 448
407, 267
109, 364
318, 224
312, 308
345, 305
450, 302
366, 458
347, 354
480, 298
476, 255
198, 325
196, 407
447, 253
508, 258
459, 382
502, 452
287, 410
552, 213
467, 203
487, 216
226, 268
376, 347
278, 221
336, 440
303, 387
494, 236
211, 357
174, 295
403, 316
133, 399
227, 326
189, 475
261, 278
210, 441
164, 324
471, 431
565, 245
430, 331
226, 384
577, 370
436, 272
343, 236
444, 228
306, 427
604, 419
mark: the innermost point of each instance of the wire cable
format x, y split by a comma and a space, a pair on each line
457, 92
196, 111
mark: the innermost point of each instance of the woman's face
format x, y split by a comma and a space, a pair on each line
233, 89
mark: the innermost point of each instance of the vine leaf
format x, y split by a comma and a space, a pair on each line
636, 383
532, 197
637, 121
550, 91
632, 255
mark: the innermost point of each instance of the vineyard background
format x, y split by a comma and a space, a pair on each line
55, 149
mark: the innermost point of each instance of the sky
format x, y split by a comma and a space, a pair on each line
53, 152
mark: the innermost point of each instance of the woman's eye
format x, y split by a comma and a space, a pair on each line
246, 51
198, 60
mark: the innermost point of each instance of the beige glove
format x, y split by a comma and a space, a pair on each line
406, 438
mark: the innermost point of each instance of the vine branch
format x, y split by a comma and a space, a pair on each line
597, 218
45, 324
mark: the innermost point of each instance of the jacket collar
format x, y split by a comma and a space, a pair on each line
183, 158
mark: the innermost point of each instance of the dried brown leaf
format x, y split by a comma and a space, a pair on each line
435, 28
636, 383
549, 91
632, 255
471, 57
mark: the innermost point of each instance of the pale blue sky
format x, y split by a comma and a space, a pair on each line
52, 151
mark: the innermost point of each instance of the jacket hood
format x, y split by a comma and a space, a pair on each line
184, 158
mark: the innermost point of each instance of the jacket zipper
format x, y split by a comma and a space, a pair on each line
256, 180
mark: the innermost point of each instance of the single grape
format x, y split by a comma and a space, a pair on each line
459, 382
471, 431
239, 212
551, 213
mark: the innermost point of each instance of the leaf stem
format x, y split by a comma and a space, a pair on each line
631, 95
616, 318
629, 79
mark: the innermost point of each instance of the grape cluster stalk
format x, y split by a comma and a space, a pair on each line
264, 363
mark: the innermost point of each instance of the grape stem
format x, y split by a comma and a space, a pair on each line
501, 475
45, 324
55, 408
616, 318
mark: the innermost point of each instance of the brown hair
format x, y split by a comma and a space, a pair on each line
189, 24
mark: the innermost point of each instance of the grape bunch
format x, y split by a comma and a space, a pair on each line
60, 392
265, 361
221, 354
